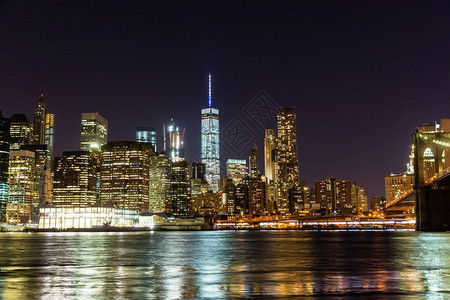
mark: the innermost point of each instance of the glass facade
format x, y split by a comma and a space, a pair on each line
146, 135
210, 139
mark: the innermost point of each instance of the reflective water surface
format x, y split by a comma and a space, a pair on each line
224, 264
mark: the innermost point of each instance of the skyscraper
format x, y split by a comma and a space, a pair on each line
4, 164
124, 169
39, 122
21, 131
334, 195
43, 126
210, 147
269, 155
198, 170
21, 186
176, 141
146, 135
236, 170
287, 174
160, 175
94, 132
180, 195
253, 168
75, 179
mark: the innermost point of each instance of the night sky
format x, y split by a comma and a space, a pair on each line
362, 74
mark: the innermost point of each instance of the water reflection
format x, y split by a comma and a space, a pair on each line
229, 264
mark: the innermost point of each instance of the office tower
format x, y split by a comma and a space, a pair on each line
21, 186
146, 135
236, 169
176, 141
334, 195
269, 154
198, 170
180, 189
256, 196
39, 122
242, 196
253, 168
229, 196
43, 126
297, 198
4, 164
124, 175
42, 164
160, 175
21, 131
359, 198
287, 174
210, 147
75, 179
377, 203
49, 132
397, 184
94, 132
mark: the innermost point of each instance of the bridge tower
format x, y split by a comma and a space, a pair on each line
432, 176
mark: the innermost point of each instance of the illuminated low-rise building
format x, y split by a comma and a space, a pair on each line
86, 217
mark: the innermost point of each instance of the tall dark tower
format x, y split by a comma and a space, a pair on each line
4, 163
253, 163
39, 122
287, 158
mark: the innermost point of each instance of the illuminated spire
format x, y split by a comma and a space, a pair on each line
209, 91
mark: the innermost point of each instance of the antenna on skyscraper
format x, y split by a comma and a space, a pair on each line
209, 91
164, 137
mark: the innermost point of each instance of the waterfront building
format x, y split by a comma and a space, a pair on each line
160, 175
21, 186
253, 168
75, 179
334, 195
180, 194
397, 184
146, 135
21, 131
236, 170
287, 172
85, 217
43, 126
359, 198
210, 141
4, 164
94, 132
124, 175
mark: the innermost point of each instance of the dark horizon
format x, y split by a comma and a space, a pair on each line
362, 75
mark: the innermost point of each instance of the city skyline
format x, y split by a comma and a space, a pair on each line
367, 78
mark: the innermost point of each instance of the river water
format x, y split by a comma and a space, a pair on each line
225, 264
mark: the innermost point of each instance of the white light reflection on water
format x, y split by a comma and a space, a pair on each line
227, 264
